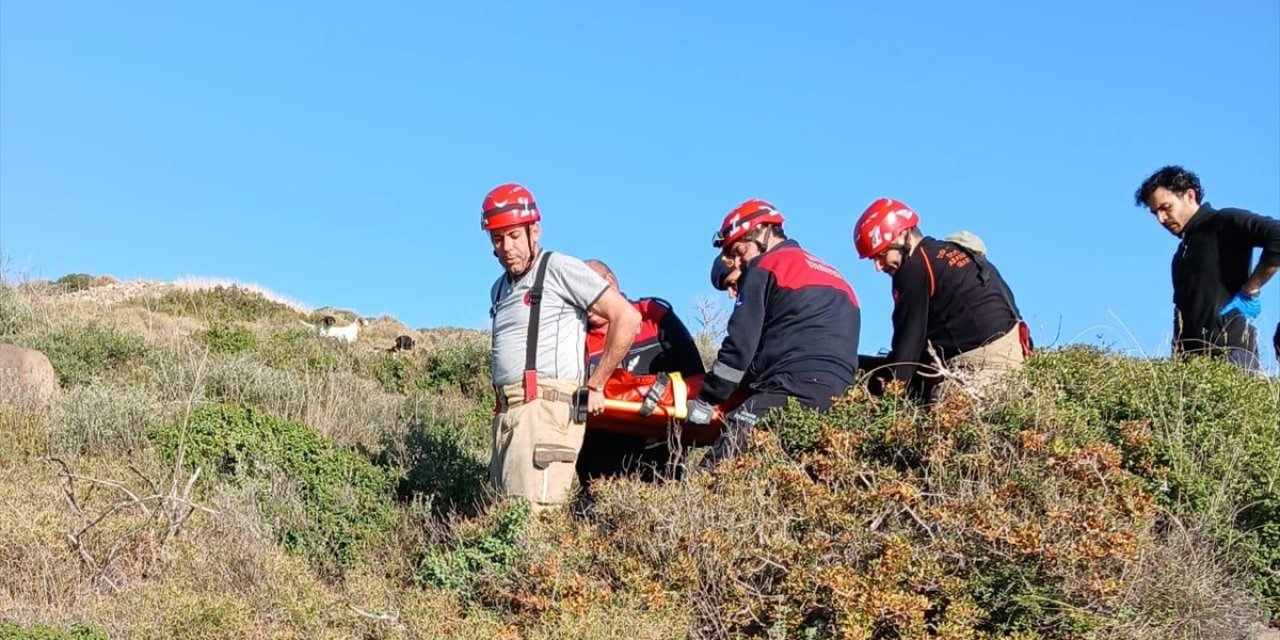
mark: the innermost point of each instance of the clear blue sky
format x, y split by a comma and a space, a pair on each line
338, 153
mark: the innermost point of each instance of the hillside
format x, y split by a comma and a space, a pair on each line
211, 468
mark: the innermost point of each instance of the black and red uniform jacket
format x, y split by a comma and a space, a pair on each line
662, 344
943, 296
794, 314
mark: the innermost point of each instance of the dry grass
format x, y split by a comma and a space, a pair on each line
1184, 587
104, 419
204, 283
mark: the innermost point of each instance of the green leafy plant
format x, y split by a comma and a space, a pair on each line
228, 338
327, 504
74, 282
485, 547
80, 354
77, 631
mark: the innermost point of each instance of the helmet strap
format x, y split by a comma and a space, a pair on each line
905, 246
761, 237
528, 237
528, 265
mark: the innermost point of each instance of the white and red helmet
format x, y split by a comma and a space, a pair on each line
880, 224
508, 205
743, 219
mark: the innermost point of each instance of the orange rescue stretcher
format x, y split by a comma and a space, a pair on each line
645, 405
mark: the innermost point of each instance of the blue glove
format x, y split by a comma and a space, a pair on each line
699, 412
1250, 308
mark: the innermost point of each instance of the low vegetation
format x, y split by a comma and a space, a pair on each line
239, 476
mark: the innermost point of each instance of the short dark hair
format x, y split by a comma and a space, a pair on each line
1174, 178
759, 230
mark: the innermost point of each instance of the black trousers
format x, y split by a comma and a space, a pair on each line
922, 385
606, 454
812, 391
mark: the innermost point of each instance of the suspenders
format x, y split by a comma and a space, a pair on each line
535, 313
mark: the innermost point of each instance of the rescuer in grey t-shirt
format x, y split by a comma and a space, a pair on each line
569, 290
535, 437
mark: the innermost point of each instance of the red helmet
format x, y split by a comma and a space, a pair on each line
744, 218
880, 224
508, 205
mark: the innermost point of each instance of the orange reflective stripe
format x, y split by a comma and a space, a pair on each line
929, 266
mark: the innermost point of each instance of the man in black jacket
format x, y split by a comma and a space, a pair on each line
793, 332
951, 306
1215, 286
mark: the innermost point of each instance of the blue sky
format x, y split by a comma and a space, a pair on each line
338, 154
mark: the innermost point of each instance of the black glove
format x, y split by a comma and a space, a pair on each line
700, 412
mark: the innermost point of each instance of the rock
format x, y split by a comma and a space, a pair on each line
26, 375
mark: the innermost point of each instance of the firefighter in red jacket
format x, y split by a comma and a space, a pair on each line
793, 332
663, 344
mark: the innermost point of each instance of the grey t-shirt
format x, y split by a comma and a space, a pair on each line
571, 287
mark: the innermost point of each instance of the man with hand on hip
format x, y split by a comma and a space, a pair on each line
1216, 288
539, 312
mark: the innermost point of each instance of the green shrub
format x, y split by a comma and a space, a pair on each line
222, 304
80, 354
461, 364
440, 467
74, 282
78, 631
398, 374
325, 503
1203, 436
487, 547
227, 338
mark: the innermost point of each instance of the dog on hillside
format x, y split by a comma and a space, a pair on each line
403, 343
328, 328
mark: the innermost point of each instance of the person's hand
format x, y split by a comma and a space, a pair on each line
700, 412
595, 402
1248, 307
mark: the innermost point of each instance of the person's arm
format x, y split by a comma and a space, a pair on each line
910, 320
587, 291
1261, 275
680, 352
624, 322
739, 347
1257, 231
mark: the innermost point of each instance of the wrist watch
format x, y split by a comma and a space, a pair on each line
1252, 295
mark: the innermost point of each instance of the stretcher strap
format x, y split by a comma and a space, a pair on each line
680, 391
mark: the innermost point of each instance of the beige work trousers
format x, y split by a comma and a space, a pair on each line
536, 444
979, 369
